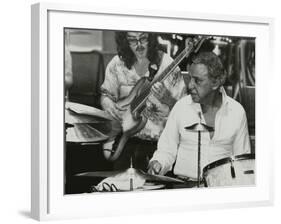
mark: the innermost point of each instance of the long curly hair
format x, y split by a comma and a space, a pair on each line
126, 54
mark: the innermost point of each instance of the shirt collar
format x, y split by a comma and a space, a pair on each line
225, 98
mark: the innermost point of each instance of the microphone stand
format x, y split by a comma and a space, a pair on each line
199, 127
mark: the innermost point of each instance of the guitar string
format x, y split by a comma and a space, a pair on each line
185, 53
138, 101
145, 93
141, 98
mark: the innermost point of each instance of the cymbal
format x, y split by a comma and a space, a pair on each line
133, 173
98, 174
200, 127
72, 117
84, 133
90, 113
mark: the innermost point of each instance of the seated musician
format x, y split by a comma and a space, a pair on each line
178, 147
138, 55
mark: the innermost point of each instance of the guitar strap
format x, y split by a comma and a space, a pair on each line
154, 67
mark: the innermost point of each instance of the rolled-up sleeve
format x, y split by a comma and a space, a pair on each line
168, 143
110, 86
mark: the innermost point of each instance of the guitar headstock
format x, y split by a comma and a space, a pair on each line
194, 44
199, 41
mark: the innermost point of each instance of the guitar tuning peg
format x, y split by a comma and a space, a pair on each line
199, 43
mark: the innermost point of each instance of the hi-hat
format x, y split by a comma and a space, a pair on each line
84, 133
72, 117
200, 127
76, 113
131, 172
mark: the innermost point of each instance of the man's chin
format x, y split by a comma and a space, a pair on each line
141, 54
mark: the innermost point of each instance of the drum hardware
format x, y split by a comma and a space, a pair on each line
131, 175
199, 127
232, 170
249, 172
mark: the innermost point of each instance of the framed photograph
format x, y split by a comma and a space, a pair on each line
172, 113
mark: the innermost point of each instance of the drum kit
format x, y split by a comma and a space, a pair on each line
88, 125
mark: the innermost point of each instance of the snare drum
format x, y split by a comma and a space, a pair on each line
237, 171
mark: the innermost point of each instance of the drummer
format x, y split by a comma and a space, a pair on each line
177, 147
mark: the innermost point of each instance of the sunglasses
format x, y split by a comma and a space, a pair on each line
134, 41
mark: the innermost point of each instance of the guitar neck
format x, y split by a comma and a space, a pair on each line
140, 100
170, 68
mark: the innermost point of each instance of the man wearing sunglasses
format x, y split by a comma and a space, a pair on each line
138, 54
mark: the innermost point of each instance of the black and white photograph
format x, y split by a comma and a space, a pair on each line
151, 111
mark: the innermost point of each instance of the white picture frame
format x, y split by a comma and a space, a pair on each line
48, 201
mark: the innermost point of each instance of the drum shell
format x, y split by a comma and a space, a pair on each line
220, 173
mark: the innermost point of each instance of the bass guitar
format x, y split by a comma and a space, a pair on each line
132, 119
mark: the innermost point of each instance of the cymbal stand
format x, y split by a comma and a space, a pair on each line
131, 175
199, 127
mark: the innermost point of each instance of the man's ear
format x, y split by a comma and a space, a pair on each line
216, 84
222, 80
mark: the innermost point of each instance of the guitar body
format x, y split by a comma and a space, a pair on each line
131, 123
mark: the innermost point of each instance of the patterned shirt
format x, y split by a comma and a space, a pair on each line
119, 81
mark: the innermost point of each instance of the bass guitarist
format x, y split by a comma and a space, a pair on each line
139, 56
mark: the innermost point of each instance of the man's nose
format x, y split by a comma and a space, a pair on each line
139, 43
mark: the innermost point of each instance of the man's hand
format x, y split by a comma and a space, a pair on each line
161, 92
112, 108
154, 167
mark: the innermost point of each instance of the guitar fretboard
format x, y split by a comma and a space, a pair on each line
140, 100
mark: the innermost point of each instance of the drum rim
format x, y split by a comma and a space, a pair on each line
227, 160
